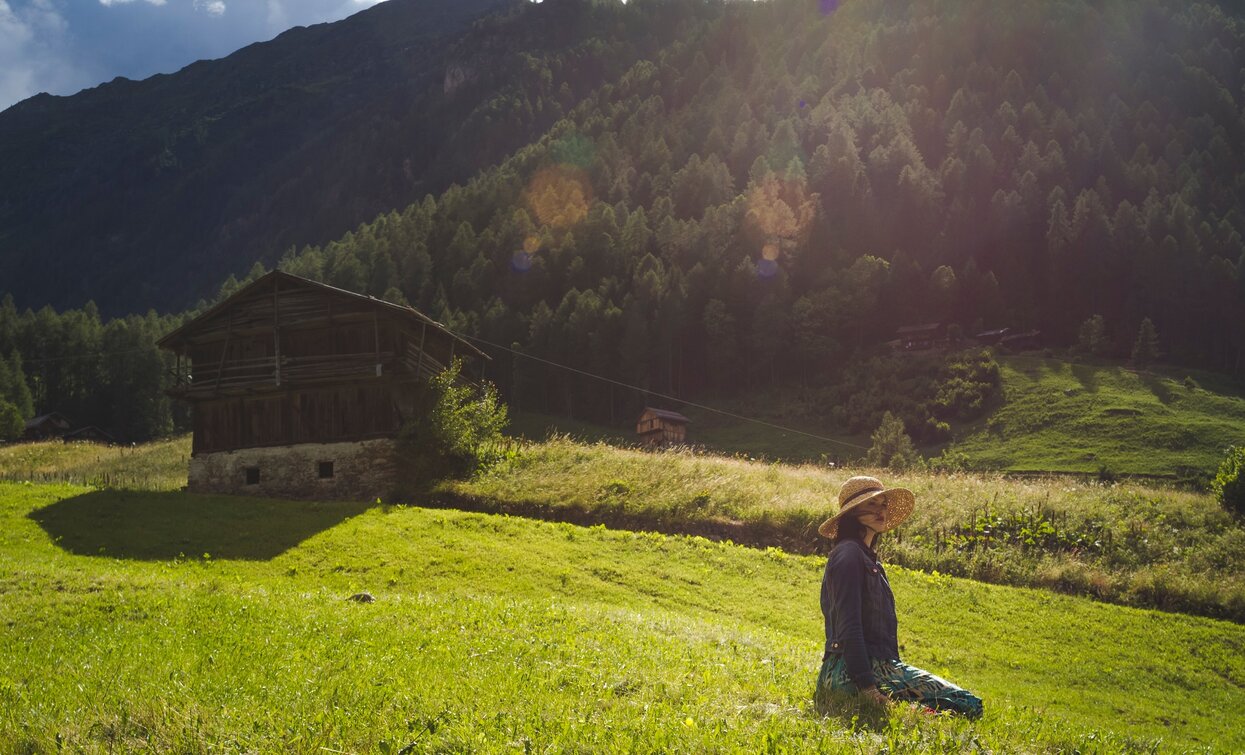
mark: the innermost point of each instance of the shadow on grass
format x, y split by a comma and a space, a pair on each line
150, 526
852, 712
1087, 376
1157, 385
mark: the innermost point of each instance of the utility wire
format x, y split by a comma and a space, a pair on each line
668, 397
534, 358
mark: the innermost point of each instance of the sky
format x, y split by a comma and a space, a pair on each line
63, 46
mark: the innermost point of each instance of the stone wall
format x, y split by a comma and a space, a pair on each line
360, 470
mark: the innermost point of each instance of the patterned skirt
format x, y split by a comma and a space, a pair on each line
902, 682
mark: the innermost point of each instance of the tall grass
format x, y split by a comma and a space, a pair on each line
500, 634
1125, 543
160, 465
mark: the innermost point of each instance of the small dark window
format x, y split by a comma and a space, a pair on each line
326, 470
252, 475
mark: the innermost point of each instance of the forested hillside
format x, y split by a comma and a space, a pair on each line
761, 193
148, 194
793, 181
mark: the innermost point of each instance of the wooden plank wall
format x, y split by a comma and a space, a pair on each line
324, 415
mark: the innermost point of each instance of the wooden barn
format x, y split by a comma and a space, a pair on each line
300, 389
46, 427
661, 427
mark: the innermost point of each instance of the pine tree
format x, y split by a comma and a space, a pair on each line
1092, 336
1146, 347
11, 424
892, 447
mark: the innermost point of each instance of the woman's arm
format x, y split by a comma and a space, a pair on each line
847, 570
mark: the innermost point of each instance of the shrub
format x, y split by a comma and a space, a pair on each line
456, 430
11, 424
1229, 483
1092, 336
1146, 347
891, 445
966, 383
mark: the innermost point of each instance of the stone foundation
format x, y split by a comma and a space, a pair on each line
357, 470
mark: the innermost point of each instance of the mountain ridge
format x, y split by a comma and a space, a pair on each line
92, 177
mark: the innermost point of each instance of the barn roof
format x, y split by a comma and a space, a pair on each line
667, 414
53, 417
278, 280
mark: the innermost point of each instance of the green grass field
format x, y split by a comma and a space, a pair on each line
1126, 543
1052, 415
160, 465
1081, 417
166, 621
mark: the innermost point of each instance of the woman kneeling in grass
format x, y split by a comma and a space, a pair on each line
862, 648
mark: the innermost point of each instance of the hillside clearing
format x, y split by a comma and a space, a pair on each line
1084, 417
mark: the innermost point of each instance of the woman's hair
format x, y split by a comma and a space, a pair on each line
850, 528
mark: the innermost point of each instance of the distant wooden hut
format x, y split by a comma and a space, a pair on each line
46, 427
300, 389
919, 337
660, 427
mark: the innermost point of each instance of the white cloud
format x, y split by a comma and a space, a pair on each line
211, 7
33, 40
278, 20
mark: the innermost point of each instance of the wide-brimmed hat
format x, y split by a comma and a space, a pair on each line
860, 490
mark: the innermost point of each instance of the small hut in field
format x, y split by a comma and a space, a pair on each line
661, 427
46, 427
300, 389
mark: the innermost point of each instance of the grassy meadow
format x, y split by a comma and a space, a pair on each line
1084, 417
1127, 543
1051, 415
160, 465
165, 621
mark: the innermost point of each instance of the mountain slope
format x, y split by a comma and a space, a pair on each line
777, 193
147, 194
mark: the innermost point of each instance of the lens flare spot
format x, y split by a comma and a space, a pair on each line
531, 244
521, 262
770, 252
559, 196
827, 6
780, 212
767, 268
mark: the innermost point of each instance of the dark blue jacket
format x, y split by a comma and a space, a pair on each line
859, 608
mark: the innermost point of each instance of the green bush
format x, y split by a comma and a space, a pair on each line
1229, 484
456, 430
11, 424
892, 448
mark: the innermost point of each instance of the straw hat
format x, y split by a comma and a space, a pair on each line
860, 490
